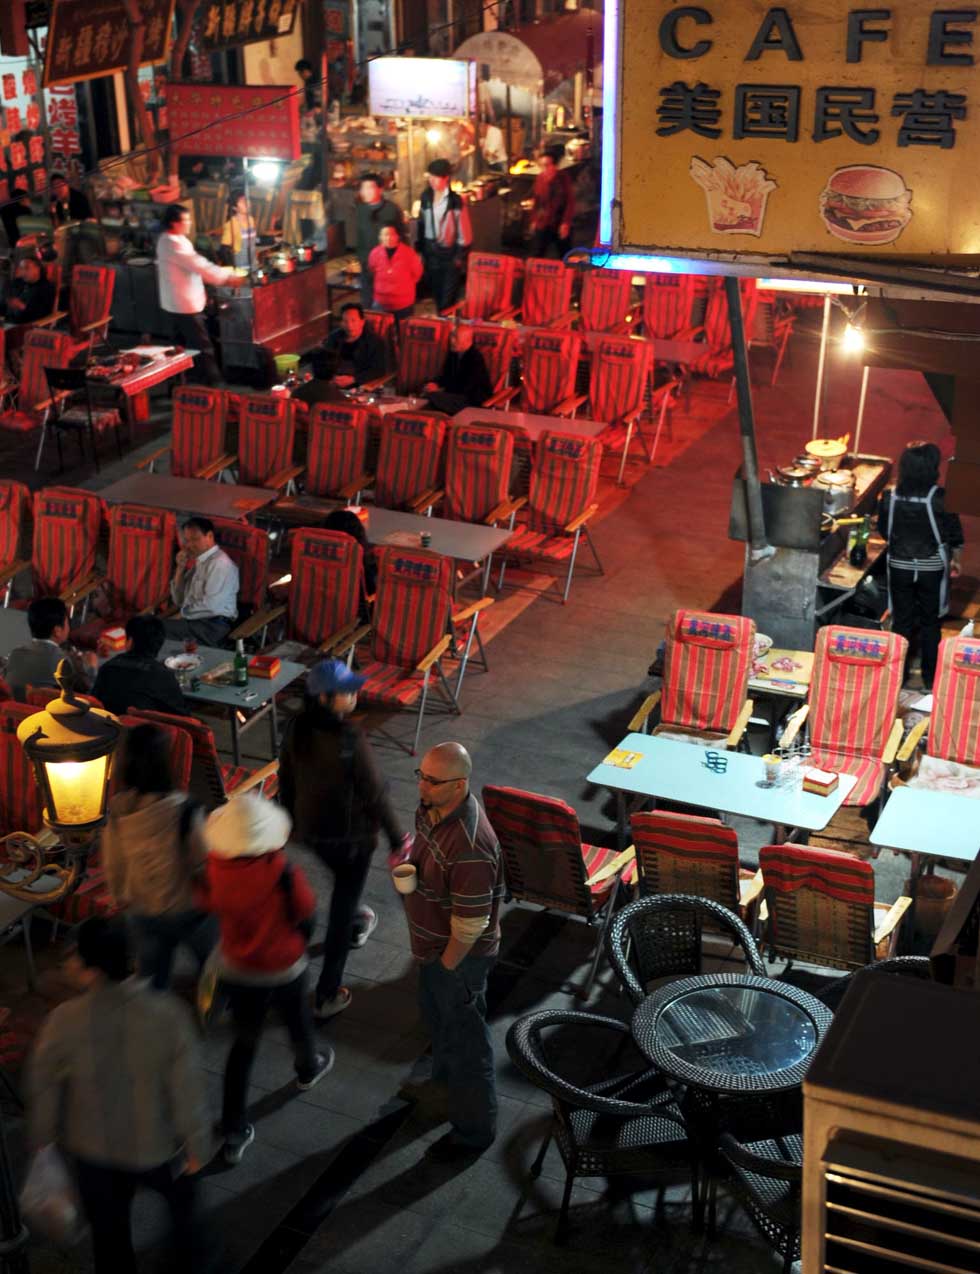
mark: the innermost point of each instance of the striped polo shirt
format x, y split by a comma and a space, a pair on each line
459, 873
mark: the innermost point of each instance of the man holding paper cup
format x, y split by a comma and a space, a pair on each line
452, 903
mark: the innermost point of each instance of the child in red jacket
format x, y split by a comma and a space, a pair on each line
265, 909
396, 269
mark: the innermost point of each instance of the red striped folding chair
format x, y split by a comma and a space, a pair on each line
336, 451
67, 526
953, 729
692, 854
668, 301
89, 305
212, 780
618, 382
479, 465
604, 305
490, 283
706, 678
560, 505
822, 908
15, 500
20, 800
33, 400
325, 593
410, 460
197, 441
38, 697
496, 344
771, 330
424, 343
852, 713
248, 547
550, 361
266, 437
383, 325
718, 359
547, 298
547, 864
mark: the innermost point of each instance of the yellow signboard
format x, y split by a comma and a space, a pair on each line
814, 127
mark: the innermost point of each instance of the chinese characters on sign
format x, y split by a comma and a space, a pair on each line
227, 22
270, 129
810, 127
88, 38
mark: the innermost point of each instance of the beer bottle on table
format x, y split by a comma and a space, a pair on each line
240, 664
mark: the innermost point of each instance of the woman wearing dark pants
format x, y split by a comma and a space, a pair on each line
924, 543
329, 782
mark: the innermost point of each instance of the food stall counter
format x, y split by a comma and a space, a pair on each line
285, 314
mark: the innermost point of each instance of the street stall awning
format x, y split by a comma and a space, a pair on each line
541, 56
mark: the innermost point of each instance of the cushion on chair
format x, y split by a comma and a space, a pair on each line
387, 683
537, 544
102, 418
19, 421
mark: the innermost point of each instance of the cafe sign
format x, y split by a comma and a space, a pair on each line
89, 38
818, 127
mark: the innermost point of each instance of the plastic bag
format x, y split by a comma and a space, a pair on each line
49, 1199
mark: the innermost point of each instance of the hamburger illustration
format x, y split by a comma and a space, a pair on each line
866, 204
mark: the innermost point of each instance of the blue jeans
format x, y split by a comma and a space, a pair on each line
454, 1008
158, 937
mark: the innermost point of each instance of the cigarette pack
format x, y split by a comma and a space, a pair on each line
113, 639
820, 782
264, 666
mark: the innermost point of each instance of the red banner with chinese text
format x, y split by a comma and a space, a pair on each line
270, 130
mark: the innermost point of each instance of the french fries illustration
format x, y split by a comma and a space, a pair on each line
736, 197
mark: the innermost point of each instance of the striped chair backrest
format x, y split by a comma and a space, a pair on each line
41, 349
181, 751
20, 799
336, 445
620, 372
564, 479
820, 903
205, 782
411, 612
327, 584
382, 324
410, 457
15, 500
423, 346
717, 330
266, 430
954, 731
490, 282
706, 669
67, 526
547, 291
200, 416
667, 303
91, 295
38, 697
496, 344
605, 300
478, 467
541, 847
141, 554
686, 854
248, 548
550, 364
857, 677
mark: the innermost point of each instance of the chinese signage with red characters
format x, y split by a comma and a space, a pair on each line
88, 38
228, 120
228, 22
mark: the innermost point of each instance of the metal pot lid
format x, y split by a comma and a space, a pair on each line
794, 471
827, 448
836, 478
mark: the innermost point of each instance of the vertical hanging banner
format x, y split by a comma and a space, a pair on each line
208, 120
814, 127
89, 38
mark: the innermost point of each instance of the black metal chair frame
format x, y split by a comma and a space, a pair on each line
71, 385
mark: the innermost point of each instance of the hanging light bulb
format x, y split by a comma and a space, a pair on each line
852, 340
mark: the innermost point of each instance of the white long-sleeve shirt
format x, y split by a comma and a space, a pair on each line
209, 588
182, 274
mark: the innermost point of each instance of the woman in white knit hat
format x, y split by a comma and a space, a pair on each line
265, 909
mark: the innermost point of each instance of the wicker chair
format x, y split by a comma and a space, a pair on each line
660, 937
904, 966
765, 1176
623, 1124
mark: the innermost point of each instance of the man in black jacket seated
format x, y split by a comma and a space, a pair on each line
31, 295
464, 380
352, 354
135, 678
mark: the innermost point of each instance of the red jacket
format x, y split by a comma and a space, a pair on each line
257, 930
395, 279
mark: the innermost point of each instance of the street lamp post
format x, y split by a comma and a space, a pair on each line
70, 746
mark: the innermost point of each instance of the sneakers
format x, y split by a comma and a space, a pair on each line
236, 1143
364, 926
323, 1066
324, 1010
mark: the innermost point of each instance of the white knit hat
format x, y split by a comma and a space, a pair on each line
247, 827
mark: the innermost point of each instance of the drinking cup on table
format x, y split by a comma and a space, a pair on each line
425, 538
405, 878
772, 762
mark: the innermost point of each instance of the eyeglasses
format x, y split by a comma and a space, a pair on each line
427, 778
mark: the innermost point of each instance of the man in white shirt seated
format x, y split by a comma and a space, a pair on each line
204, 586
182, 274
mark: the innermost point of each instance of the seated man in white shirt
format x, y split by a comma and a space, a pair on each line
204, 586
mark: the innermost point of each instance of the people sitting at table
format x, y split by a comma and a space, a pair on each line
31, 294
67, 204
204, 587
352, 354
36, 664
135, 678
464, 380
395, 271
18, 206
238, 234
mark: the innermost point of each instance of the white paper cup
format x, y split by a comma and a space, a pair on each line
405, 878
772, 764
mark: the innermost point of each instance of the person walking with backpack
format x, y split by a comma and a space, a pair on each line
330, 784
265, 909
152, 849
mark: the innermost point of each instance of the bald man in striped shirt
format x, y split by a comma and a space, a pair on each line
453, 921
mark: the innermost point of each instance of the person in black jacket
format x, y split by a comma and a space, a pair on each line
135, 678
924, 543
352, 353
31, 295
443, 234
329, 783
464, 380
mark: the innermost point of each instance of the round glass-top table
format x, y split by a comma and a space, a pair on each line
731, 1034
